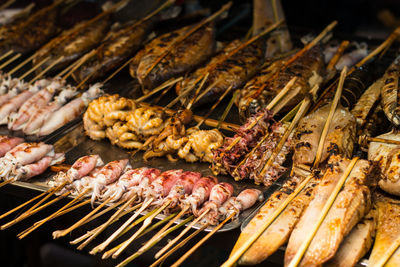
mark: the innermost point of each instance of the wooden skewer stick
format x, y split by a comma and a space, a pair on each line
163, 93
7, 4
103, 245
178, 246
184, 231
388, 253
334, 60
145, 225
80, 62
161, 222
228, 108
195, 99
2, 66
186, 35
159, 88
107, 223
23, 216
118, 70
137, 254
233, 258
6, 182
46, 69
34, 68
23, 63
203, 80
109, 253
58, 234
55, 214
66, 69
201, 242
364, 138
299, 254
332, 110
6, 54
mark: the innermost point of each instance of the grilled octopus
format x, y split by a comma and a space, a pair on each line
113, 51
183, 56
224, 72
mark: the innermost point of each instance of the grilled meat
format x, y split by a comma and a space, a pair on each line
224, 71
182, 58
114, 51
73, 43
256, 94
339, 141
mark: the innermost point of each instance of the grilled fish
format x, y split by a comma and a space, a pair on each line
357, 242
224, 71
390, 92
73, 43
342, 216
308, 69
182, 58
113, 51
29, 34
339, 140
278, 232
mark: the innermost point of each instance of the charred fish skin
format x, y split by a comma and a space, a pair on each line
184, 56
225, 72
390, 92
114, 51
72, 43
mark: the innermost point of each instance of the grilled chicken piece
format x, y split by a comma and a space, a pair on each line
387, 157
309, 71
29, 34
339, 141
387, 231
114, 51
224, 71
351, 204
182, 58
278, 232
357, 243
73, 43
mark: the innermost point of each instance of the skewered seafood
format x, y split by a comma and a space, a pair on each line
389, 92
200, 193
223, 72
183, 56
351, 58
7, 143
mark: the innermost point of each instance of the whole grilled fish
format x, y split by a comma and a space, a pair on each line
73, 43
113, 51
390, 92
224, 72
339, 140
256, 94
182, 58
29, 34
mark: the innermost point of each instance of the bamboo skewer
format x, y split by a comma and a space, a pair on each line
299, 254
388, 253
80, 62
201, 242
6, 182
46, 69
23, 63
195, 99
55, 214
34, 68
107, 223
103, 245
137, 254
203, 79
145, 225
181, 234
159, 88
363, 139
68, 68
58, 234
334, 60
117, 70
11, 60
6, 54
227, 109
330, 116
7, 4
233, 258
161, 222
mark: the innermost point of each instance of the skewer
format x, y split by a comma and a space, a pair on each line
228, 108
55, 214
387, 254
163, 93
107, 223
23, 63
80, 62
195, 99
103, 245
299, 254
58, 234
332, 63
6, 54
161, 222
34, 68
137, 254
66, 69
233, 258
168, 83
46, 69
2, 66
363, 139
184, 231
7, 4
178, 246
146, 224
214, 106
109, 253
330, 116
201, 242
118, 70
6, 182
203, 80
